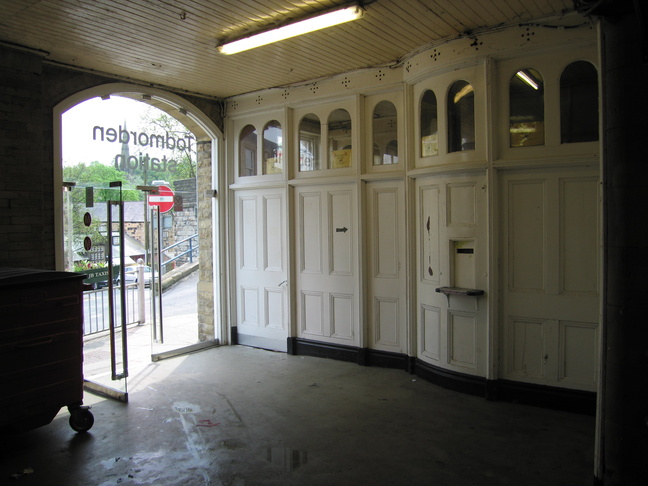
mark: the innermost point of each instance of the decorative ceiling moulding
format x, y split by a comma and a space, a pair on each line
364, 82
546, 35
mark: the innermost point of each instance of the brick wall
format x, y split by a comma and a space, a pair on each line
25, 218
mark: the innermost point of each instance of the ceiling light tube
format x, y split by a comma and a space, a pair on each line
292, 30
527, 79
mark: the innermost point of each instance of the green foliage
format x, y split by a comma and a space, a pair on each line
100, 176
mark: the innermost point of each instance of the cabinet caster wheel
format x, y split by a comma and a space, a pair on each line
81, 419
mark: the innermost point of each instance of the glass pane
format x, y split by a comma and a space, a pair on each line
310, 132
461, 117
385, 133
247, 151
272, 148
339, 139
579, 116
526, 95
391, 153
429, 125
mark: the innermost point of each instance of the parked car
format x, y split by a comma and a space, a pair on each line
131, 275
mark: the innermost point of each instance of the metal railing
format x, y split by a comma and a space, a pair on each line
96, 310
192, 247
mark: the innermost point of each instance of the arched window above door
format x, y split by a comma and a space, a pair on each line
579, 115
339, 139
248, 151
272, 148
429, 124
385, 133
310, 133
526, 108
461, 117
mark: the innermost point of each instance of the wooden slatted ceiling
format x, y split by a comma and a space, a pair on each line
173, 43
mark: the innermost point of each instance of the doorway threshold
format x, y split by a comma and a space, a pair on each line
185, 350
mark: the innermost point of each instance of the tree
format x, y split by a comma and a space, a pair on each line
186, 157
98, 176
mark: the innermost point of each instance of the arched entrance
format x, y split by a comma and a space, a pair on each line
208, 137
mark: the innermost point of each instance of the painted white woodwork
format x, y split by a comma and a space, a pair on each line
386, 264
327, 283
261, 269
380, 131
549, 226
452, 251
475, 75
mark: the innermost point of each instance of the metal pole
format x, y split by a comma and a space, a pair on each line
111, 298
153, 280
122, 287
159, 256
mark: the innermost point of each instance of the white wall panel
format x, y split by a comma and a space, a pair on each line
386, 314
310, 236
578, 352
273, 232
341, 312
430, 332
430, 267
386, 234
526, 347
461, 336
527, 237
340, 234
461, 204
578, 235
250, 306
274, 303
312, 318
248, 240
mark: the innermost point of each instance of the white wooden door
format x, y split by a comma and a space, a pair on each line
386, 264
549, 277
327, 264
261, 270
452, 251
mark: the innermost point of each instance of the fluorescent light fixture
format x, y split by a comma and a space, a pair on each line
311, 24
527, 79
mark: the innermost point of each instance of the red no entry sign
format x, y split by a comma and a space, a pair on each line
163, 199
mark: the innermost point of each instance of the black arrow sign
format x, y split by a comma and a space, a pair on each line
341, 230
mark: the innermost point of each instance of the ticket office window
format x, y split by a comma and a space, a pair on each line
526, 109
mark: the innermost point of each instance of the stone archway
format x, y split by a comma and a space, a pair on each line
210, 176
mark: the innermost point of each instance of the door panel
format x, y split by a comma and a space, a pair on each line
549, 251
261, 269
387, 308
327, 281
452, 251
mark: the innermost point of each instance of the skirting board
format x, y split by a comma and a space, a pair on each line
504, 390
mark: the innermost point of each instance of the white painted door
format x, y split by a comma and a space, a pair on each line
385, 244
452, 251
549, 277
261, 270
327, 264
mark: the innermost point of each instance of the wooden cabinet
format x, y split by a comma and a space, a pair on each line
41, 346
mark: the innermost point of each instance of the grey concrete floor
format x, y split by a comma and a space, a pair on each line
241, 416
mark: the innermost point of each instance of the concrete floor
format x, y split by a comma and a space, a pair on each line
241, 416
